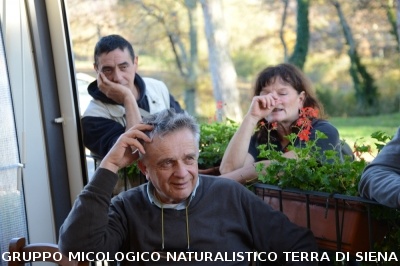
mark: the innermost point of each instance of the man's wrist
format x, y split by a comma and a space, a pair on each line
109, 166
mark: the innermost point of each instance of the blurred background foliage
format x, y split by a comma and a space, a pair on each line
160, 32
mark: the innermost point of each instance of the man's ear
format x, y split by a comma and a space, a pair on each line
142, 167
136, 63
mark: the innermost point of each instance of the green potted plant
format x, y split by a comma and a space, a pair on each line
214, 138
318, 190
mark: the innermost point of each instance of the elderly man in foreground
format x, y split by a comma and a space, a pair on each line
178, 217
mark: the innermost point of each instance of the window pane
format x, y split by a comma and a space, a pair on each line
12, 209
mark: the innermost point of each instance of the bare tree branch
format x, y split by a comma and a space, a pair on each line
281, 31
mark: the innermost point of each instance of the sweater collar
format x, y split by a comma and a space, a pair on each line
179, 206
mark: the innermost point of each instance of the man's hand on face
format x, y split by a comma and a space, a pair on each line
115, 91
126, 150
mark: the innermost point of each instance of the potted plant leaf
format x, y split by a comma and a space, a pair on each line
319, 190
214, 138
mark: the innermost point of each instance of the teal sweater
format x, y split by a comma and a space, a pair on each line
223, 216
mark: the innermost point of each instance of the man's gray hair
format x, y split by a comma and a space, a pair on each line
168, 121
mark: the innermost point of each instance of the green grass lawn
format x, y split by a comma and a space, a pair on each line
359, 129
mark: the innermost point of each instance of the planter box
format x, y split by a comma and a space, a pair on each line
339, 222
210, 171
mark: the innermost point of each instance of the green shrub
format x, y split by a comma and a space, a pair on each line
214, 139
314, 170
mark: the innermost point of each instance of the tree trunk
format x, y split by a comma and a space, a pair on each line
299, 55
390, 13
187, 65
190, 91
366, 91
398, 22
223, 73
281, 31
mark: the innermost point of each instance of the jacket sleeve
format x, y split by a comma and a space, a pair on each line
100, 134
380, 180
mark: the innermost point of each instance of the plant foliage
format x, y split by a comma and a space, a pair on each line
313, 169
214, 138
327, 172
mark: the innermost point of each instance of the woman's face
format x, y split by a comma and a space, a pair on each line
288, 102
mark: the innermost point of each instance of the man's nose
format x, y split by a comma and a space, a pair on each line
117, 76
180, 169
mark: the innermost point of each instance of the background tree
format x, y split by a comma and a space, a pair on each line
391, 15
398, 22
299, 54
91, 28
366, 91
281, 31
186, 56
192, 77
256, 30
223, 73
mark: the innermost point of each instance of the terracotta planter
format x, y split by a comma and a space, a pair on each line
338, 224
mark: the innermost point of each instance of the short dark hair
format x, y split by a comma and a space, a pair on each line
109, 43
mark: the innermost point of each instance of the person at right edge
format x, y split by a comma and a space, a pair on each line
380, 180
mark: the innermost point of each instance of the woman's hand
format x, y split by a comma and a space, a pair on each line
262, 105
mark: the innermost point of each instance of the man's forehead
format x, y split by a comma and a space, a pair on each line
170, 144
175, 156
115, 57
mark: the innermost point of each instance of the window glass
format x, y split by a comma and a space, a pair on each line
12, 209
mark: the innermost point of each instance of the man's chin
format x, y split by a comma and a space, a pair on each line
181, 196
